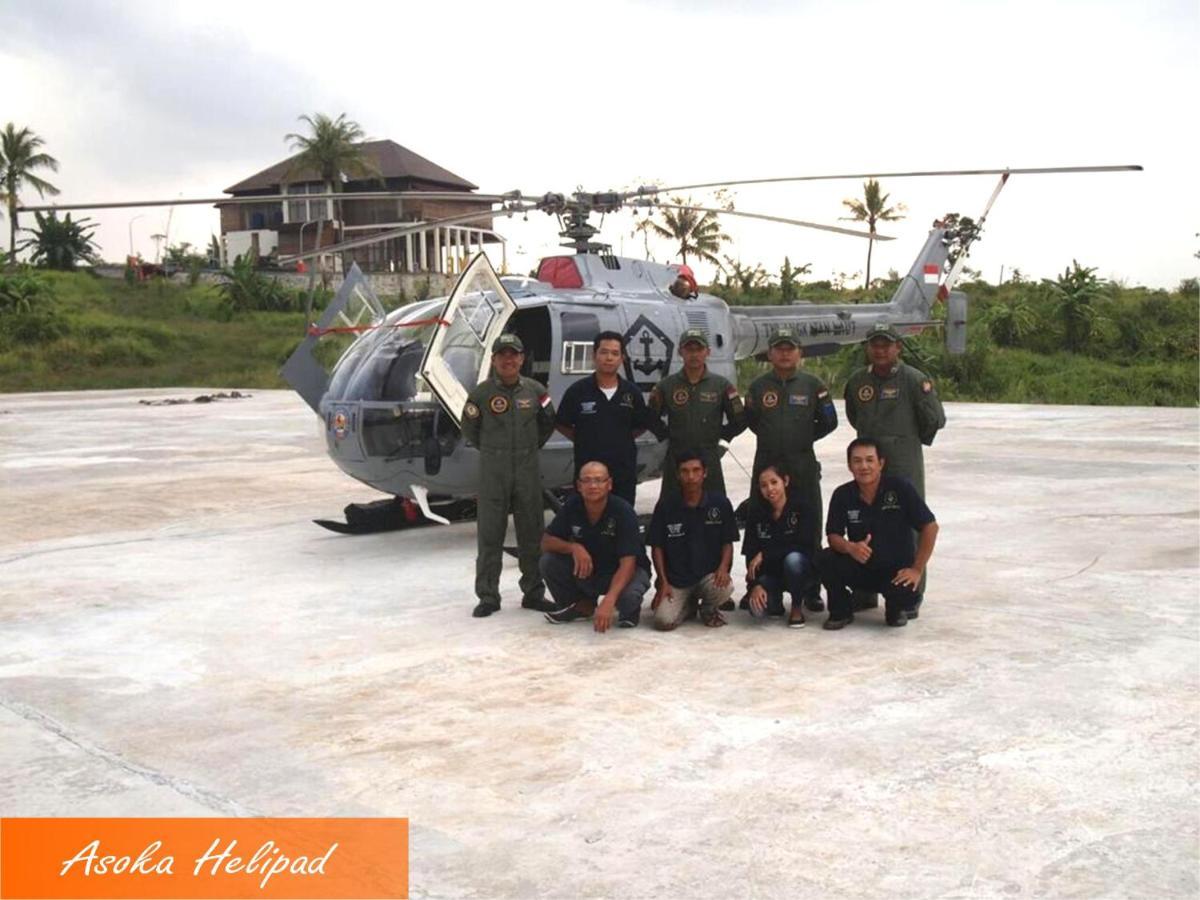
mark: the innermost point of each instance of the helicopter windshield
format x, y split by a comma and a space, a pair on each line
385, 363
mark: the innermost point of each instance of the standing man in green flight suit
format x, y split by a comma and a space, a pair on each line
701, 408
790, 410
898, 406
508, 417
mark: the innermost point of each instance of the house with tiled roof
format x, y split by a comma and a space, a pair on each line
286, 227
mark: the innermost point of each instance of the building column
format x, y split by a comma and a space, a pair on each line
408, 253
437, 249
422, 238
285, 205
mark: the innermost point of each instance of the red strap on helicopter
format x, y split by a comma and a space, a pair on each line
314, 331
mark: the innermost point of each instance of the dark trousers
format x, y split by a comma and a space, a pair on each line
794, 575
565, 588
840, 573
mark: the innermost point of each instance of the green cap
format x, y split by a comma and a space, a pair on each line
887, 332
693, 335
507, 342
784, 335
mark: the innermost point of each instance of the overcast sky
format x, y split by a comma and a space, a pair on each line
150, 100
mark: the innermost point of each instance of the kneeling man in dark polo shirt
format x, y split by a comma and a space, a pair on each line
593, 559
869, 527
692, 535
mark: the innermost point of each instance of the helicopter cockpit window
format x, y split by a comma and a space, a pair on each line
460, 352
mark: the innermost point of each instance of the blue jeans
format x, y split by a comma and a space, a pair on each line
794, 575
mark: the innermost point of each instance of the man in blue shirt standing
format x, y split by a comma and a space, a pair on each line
603, 413
593, 560
869, 527
692, 536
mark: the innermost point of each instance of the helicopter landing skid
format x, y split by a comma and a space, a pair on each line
394, 514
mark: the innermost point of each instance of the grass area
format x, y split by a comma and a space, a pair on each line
98, 333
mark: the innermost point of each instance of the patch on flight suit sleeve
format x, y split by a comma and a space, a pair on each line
471, 411
544, 401
926, 386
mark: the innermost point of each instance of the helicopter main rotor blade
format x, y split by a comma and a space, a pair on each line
408, 229
731, 212
1048, 170
272, 198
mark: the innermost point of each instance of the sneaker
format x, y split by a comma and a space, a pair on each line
832, 624
728, 605
898, 621
912, 613
814, 603
539, 604
627, 623
744, 603
796, 619
485, 608
564, 615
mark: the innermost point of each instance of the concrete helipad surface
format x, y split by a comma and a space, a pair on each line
177, 638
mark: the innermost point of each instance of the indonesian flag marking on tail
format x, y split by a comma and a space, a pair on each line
544, 401
932, 272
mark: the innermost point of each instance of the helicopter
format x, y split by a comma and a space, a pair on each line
391, 407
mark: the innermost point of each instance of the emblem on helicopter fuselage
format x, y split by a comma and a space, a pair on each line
339, 425
648, 352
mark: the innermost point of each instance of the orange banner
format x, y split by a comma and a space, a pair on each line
213, 859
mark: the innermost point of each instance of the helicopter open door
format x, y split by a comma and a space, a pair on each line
460, 353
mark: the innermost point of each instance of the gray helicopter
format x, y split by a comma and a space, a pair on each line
391, 407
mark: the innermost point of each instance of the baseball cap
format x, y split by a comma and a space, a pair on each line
887, 332
508, 342
693, 335
783, 336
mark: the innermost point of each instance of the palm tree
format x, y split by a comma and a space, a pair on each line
698, 233
20, 154
332, 150
871, 209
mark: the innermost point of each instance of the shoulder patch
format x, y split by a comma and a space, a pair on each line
926, 386
471, 411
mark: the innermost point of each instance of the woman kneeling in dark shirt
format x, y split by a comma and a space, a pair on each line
778, 548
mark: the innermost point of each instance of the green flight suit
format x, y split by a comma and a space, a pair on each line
509, 424
901, 411
789, 415
698, 416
